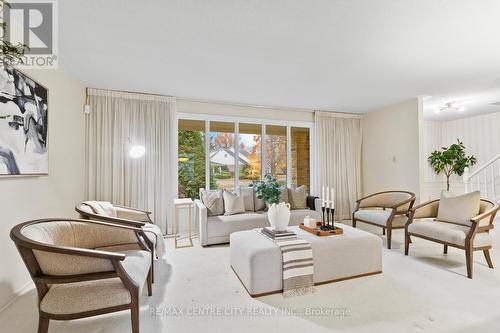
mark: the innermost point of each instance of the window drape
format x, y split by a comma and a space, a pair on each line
339, 159
117, 122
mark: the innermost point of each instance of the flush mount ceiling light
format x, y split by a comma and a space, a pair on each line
137, 151
450, 106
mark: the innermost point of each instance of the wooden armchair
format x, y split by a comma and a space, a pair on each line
79, 269
386, 209
470, 237
127, 216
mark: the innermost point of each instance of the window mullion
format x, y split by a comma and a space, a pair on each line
236, 156
288, 156
263, 151
207, 154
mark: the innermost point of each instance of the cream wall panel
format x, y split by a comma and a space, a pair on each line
390, 151
25, 198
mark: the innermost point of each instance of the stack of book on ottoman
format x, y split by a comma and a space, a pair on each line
278, 235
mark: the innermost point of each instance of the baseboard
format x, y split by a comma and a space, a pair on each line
18, 293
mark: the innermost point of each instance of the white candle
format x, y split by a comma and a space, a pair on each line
327, 196
322, 195
333, 198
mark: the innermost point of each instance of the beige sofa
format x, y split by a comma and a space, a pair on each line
217, 229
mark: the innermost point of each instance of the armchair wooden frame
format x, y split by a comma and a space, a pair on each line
42, 281
126, 222
394, 212
419, 212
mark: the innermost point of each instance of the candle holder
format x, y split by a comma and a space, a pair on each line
326, 225
333, 218
323, 221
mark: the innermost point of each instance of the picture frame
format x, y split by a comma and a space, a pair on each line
24, 125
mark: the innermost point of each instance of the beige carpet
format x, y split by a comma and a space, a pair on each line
425, 292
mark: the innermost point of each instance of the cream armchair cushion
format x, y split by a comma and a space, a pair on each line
79, 235
387, 199
380, 217
93, 295
447, 232
459, 209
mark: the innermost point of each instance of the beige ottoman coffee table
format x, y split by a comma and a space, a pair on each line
257, 261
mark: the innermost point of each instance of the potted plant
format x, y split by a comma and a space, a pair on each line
10, 54
451, 160
269, 190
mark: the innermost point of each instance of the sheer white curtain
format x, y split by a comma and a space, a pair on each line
339, 158
117, 122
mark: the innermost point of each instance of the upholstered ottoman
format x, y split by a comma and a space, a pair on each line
257, 262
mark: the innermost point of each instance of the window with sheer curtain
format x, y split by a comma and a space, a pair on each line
117, 122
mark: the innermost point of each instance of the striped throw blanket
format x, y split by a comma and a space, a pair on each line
298, 268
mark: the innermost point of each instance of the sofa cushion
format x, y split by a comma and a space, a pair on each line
447, 232
459, 209
212, 199
233, 203
247, 194
297, 197
225, 225
380, 217
220, 226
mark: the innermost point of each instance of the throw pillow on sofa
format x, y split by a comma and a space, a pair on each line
248, 198
459, 209
212, 199
233, 203
297, 197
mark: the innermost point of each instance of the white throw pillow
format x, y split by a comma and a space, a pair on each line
247, 194
212, 199
459, 209
233, 203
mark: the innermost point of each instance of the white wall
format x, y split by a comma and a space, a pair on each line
190, 106
24, 198
390, 151
479, 134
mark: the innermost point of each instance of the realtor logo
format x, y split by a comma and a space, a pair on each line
34, 24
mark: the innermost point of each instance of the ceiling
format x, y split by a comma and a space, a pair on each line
347, 56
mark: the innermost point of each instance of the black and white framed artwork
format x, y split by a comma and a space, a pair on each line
23, 124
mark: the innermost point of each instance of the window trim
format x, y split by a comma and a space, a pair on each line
263, 122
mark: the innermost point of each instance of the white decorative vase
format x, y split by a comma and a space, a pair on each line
279, 216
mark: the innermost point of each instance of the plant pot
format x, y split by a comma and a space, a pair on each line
279, 216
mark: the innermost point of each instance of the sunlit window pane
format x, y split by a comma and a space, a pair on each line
191, 158
222, 161
250, 143
276, 152
300, 156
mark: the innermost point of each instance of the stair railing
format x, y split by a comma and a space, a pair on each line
484, 179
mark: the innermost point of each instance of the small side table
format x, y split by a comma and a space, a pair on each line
183, 203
